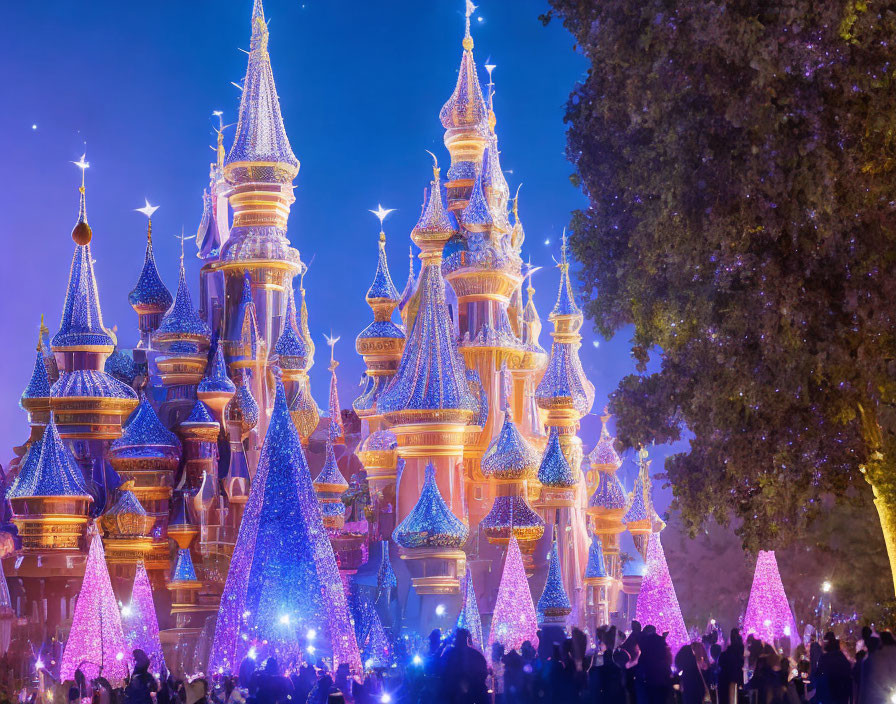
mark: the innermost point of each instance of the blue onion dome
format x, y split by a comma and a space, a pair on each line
566, 304
554, 601
431, 375
380, 441
564, 382
330, 478
39, 384
290, 348
478, 391
635, 566
380, 329
604, 454
510, 455
150, 295
466, 107
146, 441
609, 493
596, 567
200, 416
260, 150
90, 383
555, 470
183, 568
54, 473
435, 225
121, 366
637, 511
431, 524
182, 322
382, 288
243, 408
216, 379
477, 216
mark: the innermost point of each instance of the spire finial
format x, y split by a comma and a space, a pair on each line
564, 263
469, 9
183, 238
220, 152
530, 289
435, 173
40, 333
82, 233
492, 120
381, 214
331, 341
148, 211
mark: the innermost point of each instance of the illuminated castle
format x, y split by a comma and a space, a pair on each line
188, 452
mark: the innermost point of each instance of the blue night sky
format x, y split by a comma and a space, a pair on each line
361, 83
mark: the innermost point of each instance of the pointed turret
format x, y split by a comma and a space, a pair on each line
242, 336
182, 323
144, 443
493, 181
39, 385
149, 298
555, 470
410, 287
469, 618
431, 524
334, 409
477, 215
553, 606
290, 347
216, 389
596, 567
329, 486
55, 474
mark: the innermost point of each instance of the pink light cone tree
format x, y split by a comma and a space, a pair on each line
657, 601
96, 644
514, 620
768, 613
141, 627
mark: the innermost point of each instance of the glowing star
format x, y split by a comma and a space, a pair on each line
381, 213
147, 209
82, 163
34, 126
217, 113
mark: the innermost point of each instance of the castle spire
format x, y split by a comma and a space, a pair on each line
182, 322
149, 297
566, 304
554, 606
337, 431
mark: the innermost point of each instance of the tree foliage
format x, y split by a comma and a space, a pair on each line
738, 158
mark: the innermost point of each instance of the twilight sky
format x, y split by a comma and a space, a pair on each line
361, 83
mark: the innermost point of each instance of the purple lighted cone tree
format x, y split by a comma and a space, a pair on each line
141, 627
513, 621
657, 601
96, 644
768, 613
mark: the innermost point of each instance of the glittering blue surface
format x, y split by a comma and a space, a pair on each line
90, 383
55, 473
260, 135
385, 575
430, 524
381, 328
510, 511
290, 346
565, 378
554, 595
183, 568
39, 385
477, 216
510, 455
216, 378
608, 493
121, 366
469, 618
466, 106
380, 440
410, 285
82, 318
247, 404
283, 577
382, 286
150, 292
434, 221
182, 318
596, 566
145, 436
638, 510
330, 473
555, 470
566, 303
200, 415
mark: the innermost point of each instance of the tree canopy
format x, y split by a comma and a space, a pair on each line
739, 158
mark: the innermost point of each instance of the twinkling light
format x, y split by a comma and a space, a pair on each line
513, 621
768, 612
141, 627
657, 601
96, 637
469, 618
269, 577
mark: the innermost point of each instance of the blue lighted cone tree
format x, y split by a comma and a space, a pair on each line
657, 601
96, 644
377, 651
513, 621
283, 580
553, 605
469, 618
141, 627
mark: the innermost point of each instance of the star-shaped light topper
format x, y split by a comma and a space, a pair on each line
381, 214
331, 341
82, 163
147, 209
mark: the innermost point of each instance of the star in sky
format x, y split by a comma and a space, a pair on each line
147, 209
82, 163
381, 213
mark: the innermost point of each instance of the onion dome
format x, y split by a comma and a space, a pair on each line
127, 517
121, 366
290, 348
304, 411
216, 380
477, 216
90, 383
555, 470
145, 438
183, 568
150, 296
82, 318
604, 455
39, 385
382, 290
200, 417
596, 567
513, 512
566, 304
466, 107
434, 226
430, 524
478, 390
510, 456
637, 511
242, 409
564, 382
554, 602
431, 375
330, 478
410, 285
52, 473
260, 150
380, 441
182, 322
609, 493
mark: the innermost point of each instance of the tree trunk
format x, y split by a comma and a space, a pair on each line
885, 501
880, 472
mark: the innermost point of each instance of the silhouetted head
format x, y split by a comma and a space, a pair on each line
271, 667
462, 638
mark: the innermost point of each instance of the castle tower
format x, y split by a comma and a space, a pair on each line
149, 298
334, 409
598, 581
638, 518
329, 486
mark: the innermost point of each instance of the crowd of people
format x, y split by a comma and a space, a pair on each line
637, 667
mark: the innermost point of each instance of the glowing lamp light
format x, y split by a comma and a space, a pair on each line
417, 660
440, 610
712, 622
119, 656
253, 653
126, 610
34, 126
767, 622
39, 665
311, 649
386, 698
787, 631
284, 619
369, 662
312, 634
220, 670
246, 614
826, 587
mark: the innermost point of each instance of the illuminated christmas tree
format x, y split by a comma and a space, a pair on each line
657, 601
96, 644
554, 606
768, 613
513, 621
375, 643
283, 580
469, 618
141, 627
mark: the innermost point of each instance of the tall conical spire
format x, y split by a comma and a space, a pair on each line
39, 385
768, 614
82, 318
149, 295
337, 431
566, 303
55, 473
555, 470
514, 620
141, 627
260, 150
466, 107
554, 604
477, 215
182, 322
469, 618
657, 601
410, 285
290, 347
